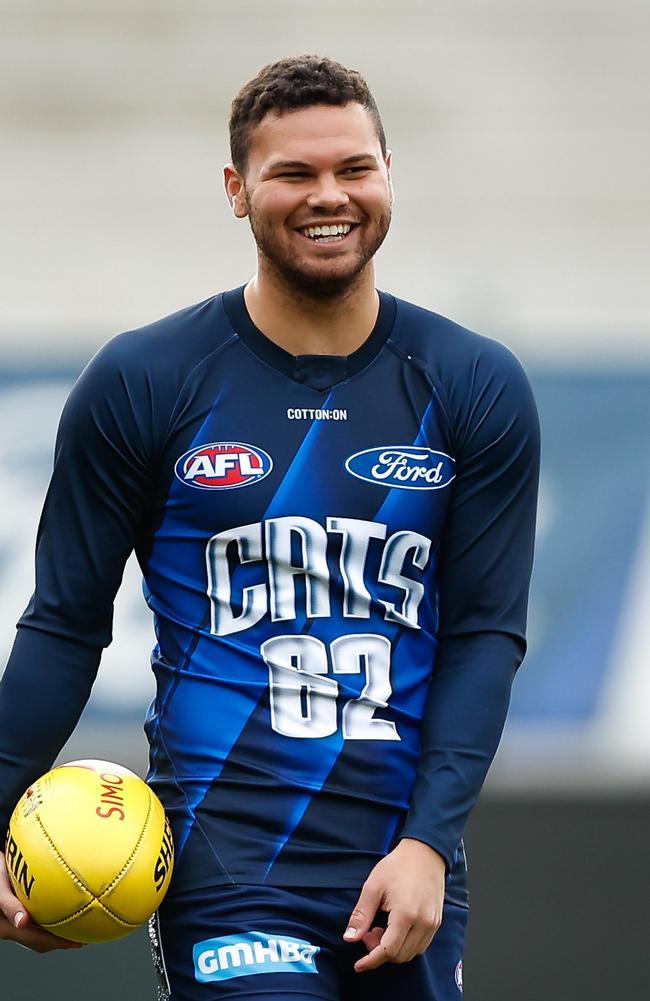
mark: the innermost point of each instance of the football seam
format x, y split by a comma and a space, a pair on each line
68, 917
82, 910
95, 898
118, 876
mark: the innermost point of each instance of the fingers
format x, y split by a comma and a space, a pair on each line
373, 937
405, 937
409, 885
10, 905
364, 912
389, 944
15, 923
33, 937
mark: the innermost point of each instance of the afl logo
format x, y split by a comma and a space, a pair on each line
223, 465
404, 466
459, 975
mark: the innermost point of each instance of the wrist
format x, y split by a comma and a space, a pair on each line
425, 851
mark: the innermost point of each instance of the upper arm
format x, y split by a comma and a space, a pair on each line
96, 499
487, 551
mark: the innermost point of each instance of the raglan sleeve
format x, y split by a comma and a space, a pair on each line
485, 566
90, 522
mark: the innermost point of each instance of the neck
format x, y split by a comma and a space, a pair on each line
303, 325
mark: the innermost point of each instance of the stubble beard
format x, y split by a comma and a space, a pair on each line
315, 283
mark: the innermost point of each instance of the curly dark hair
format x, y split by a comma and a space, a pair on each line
296, 82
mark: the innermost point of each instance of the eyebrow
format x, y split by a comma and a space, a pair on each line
300, 164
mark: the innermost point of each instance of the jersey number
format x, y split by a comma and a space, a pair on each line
304, 700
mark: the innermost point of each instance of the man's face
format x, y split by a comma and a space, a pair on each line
316, 167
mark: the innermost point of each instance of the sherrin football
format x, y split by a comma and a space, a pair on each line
89, 851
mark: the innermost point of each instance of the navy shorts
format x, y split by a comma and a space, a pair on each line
272, 943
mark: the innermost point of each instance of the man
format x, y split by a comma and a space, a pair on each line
331, 494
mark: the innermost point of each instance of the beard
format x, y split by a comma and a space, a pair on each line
325, 279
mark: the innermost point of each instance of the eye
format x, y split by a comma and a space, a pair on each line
356, 171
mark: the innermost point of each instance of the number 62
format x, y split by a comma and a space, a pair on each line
304, 701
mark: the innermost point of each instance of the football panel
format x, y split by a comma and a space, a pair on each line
140, 889
41, 879
95, 817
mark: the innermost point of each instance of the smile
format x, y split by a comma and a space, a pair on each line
326, 234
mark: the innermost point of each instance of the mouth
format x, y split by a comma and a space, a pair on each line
329, 233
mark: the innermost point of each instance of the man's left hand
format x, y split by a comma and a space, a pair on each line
409, 884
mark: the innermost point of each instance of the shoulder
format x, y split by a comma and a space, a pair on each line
155, 360
174, 342
133, 382
444, 345
473, 375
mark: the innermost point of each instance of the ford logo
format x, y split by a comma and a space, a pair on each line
404, 466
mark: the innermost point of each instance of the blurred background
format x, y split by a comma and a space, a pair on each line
522, 174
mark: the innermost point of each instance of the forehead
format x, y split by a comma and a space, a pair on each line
320, 132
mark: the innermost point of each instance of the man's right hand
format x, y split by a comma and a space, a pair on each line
16, 925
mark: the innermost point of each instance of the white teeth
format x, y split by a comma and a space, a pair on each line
340, 229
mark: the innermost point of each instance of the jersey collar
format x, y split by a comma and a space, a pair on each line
319, 372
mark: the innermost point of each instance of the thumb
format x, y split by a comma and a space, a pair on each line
363, 914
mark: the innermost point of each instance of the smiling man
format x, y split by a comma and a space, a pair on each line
331, 493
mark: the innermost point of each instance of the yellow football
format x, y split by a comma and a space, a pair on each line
89, 851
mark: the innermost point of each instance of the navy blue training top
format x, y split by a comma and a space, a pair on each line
336, 551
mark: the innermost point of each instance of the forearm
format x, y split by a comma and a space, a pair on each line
43, 691
463, 722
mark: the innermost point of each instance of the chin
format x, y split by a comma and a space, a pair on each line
319, 280
322, 284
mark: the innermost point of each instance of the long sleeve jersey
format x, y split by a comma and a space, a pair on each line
336, 551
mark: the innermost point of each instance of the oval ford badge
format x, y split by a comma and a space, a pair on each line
404, 466
223, 465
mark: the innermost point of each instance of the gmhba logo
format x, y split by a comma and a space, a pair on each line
223, 465
252, 952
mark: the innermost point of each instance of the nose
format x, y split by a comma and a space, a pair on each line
327, 194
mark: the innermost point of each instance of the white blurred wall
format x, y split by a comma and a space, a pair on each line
522, 161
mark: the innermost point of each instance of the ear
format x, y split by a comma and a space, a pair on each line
235, 191
388, 160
